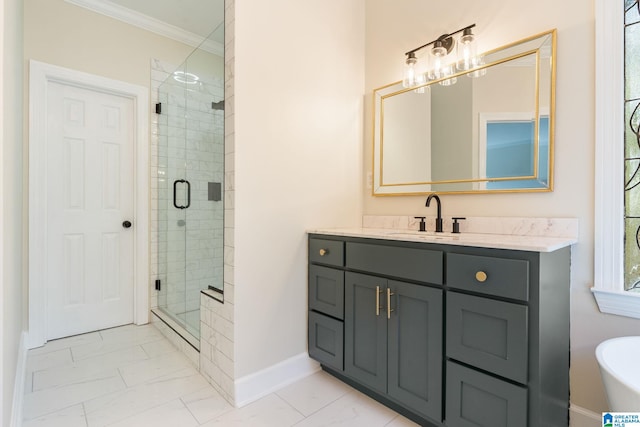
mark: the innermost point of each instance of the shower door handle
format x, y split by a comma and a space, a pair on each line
175, 192
188, 194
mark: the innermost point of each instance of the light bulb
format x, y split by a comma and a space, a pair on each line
438, 50
448, 71
448, 82
420, 79
477, 62
437, 54
440, 64
466, 50
409, 75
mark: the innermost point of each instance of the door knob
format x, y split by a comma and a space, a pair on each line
126, 224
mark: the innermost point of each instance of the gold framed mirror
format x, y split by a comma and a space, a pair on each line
491, 131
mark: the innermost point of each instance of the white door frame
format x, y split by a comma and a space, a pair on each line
40, 76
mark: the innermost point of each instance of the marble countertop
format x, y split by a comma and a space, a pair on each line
497, 241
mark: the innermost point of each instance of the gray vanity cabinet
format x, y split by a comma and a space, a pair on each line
448, 335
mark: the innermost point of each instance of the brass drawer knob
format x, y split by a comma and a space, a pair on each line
481, 276
323, 252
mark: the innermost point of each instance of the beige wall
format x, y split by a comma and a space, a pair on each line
59, 33
395, 27
298, 149
11, 210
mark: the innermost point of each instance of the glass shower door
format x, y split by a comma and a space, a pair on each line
191, 187
173, 199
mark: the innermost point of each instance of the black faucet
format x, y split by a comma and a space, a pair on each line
439, 218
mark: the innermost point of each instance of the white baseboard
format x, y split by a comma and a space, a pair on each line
581, 417
18, 387
252, 387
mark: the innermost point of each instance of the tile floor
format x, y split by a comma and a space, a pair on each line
132, 376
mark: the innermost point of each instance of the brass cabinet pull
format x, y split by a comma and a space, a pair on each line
481, 276
389, 309
323, 252
377, 300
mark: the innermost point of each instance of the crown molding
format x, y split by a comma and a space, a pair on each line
148, 23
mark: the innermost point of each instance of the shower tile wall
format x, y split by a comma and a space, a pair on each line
199, 158
217, 338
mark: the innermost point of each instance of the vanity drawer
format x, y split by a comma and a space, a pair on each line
491, 335
330, 252
407, 263
477, 399
326, 340
326, 290
508, 278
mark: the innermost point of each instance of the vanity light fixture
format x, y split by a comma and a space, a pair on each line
442, 63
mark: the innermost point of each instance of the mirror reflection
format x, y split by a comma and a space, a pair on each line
490, 131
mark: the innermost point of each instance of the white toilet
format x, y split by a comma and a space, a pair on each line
619, 360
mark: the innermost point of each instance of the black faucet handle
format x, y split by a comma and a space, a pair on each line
456, 224
439, 211
423, 225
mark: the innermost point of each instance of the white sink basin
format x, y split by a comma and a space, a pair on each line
425, 235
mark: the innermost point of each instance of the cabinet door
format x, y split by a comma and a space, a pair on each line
488, 334
326, 340
365, 324
326, 290
477, 399
414, 332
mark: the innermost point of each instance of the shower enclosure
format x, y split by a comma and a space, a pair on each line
190, 185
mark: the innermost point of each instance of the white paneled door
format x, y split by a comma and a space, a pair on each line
90, 207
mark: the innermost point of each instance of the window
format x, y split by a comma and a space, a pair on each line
617, 207
632, 145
